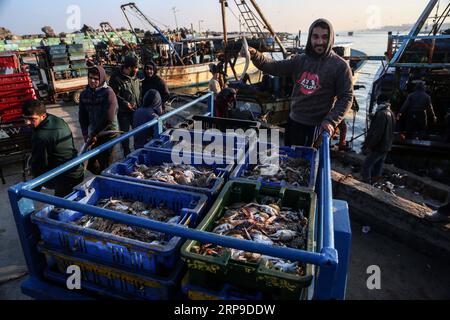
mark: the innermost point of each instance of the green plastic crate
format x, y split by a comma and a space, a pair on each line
214, 272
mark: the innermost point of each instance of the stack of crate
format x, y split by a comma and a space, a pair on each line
15, 89
59, 60
77, 60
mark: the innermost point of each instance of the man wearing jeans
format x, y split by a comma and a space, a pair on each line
379, 140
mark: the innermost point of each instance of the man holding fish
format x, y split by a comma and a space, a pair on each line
323, 92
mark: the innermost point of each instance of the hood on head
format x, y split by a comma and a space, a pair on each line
102, 74
309, 49
153, 65
420, 86
152, 99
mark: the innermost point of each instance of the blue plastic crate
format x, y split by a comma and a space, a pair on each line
309, 154
227, 292
167, 142
59, 233
106, 281
149, 158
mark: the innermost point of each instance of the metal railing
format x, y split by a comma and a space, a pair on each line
326, 258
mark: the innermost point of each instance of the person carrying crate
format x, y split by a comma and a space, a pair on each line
52, 146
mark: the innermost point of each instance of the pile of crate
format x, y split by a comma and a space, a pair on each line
77, 60
124, 268
59, 60
15, 89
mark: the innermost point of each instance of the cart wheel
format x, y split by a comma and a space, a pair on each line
76, 96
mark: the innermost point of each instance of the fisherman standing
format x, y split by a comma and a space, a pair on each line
323, 92
52, 146
416, 107
127, 87
214, 83
154, 82
379, 140
98, 118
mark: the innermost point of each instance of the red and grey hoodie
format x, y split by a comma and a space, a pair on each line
323, 88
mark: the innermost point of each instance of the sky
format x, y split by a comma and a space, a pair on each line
29, 16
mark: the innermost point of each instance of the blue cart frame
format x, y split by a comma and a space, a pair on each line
332, 260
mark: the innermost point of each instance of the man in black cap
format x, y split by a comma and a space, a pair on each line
127, 87
153, 81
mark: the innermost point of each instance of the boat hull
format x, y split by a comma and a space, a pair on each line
197, 75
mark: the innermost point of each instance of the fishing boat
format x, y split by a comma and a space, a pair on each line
423, 55
183, 61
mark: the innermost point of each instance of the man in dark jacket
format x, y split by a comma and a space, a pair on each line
153, 81
127, 87
151, 108
379, 140
416, 108
225, 102
323, 91
52, 146
98, 117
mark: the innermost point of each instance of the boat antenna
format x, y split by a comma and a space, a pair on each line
138, 40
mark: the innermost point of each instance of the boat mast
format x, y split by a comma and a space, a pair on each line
224, 22
129, 23
269, 27
224, 4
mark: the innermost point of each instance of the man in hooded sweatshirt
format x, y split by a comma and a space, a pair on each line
52, 146
323, 90
153, 81
379, 140
151, 108
127, 87
416, 108
98, 115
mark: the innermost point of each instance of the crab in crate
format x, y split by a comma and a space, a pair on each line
295, 171
176, 175
265, 223
135, 208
